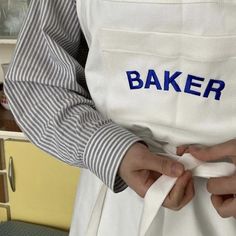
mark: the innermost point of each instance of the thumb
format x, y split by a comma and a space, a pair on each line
215, 152
164, 165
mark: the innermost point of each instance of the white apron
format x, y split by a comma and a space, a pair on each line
165, 69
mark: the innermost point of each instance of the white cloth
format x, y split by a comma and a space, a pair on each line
159, 191
165, 69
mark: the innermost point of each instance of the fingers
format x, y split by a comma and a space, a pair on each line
146, 181
182, 149
140, 168
189, 194
223, 191
224, 207
140, 182
222, 186
215, 152
163, 165
182, 192
178, 191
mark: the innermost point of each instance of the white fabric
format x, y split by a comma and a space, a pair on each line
174, 1
159, 190
193, 38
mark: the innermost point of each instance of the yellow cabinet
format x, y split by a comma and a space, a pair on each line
45, 188
4, 212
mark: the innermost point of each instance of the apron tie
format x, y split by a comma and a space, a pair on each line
157, 193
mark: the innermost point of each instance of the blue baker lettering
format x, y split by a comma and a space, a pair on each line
193, 84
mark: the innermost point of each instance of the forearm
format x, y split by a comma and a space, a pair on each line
51, 106
68, 127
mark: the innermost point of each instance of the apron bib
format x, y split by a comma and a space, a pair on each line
166, 69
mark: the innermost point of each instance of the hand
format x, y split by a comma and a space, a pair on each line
140, 169
223, 189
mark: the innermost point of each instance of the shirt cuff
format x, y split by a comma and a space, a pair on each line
105, 151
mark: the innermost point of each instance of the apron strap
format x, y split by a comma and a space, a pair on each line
96, 215
157, 193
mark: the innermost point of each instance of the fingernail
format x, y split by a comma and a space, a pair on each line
177, 169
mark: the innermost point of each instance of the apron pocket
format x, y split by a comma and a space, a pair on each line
168, 81
193, 47
172, 1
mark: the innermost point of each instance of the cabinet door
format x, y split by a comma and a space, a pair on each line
44, 187
4, 213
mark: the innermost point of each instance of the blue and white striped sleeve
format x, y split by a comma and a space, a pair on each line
45, 89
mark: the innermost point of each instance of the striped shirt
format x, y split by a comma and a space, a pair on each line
47, 92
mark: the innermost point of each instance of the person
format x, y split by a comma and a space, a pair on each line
144, 70
223, 189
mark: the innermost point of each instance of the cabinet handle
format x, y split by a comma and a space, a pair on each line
11, 174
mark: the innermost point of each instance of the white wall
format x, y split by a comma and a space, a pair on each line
6, 51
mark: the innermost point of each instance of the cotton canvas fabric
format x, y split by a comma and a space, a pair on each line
165, 70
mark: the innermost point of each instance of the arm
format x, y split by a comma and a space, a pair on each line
45, 88
47, 95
